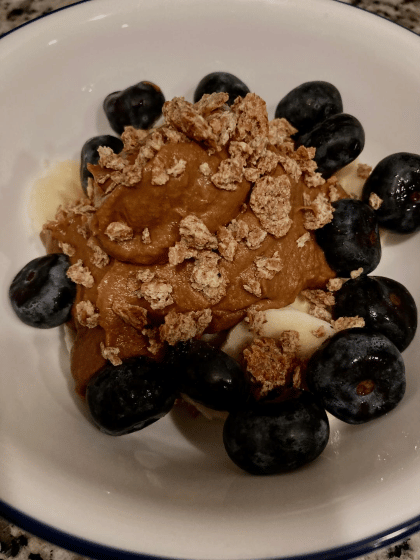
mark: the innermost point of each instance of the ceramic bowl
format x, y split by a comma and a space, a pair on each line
171, 491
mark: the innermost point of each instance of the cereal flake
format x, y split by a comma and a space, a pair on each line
251, 112
194, 233
153, 336
86, 314
271, 362
80, 274
319, 214
255, 238
270, 202
320, 332
145, 275
320, 312
256, 321
145, 236
250, 283
356, 273
227, 243
181, 252
183, 326
319, 297
239, 229
119, 231
268, 267
133, 315
229, 174
280, 131
334, 284
206, 277
159, 173
186, 118
111, 353
99, 258
205, 169
343, 323
363, 170
178, 168
83, 230
303, 239
67, 249
156, 293
375, 201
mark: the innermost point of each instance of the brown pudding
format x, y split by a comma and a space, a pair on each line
195, 223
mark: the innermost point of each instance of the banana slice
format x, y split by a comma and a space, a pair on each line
279, 320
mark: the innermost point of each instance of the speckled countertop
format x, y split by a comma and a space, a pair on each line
16, 12
15, 543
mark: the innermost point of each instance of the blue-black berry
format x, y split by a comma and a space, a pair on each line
338, 140
351, 240
272, 437
396, 180
41, 294
385, 305
89, 154
309, 104
209, 376
126, 398
218, 82
139, 106
358, 375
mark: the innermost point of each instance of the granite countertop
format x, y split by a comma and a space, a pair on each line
15, 543
16, 12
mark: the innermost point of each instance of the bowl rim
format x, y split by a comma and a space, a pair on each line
79, 2
79, 545
98, 551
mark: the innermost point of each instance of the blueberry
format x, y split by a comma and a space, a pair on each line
41, 294
351, 240
209, 376
217, 82
358, 374
139, 106
385, 305
396, 180
90, 154
127, 398
275, 437
309, 104
338, 140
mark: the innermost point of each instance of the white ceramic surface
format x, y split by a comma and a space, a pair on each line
170, 490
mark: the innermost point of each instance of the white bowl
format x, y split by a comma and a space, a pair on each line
171, 491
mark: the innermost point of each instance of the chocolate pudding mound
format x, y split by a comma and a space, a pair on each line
195, 224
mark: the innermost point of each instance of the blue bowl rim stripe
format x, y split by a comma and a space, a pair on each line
97, 551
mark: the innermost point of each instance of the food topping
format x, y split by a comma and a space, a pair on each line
220, 218
384, 304
86, 315
358, 374
309, 104
338, 140
42, 294
270, 438
351, 240
205, 238
396, 183
138, 106
218, 82
272, 362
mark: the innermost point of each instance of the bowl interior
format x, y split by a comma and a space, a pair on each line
170, 490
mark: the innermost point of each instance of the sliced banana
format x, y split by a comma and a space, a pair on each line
279, 320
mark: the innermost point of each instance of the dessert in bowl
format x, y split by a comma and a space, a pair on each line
161, 454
